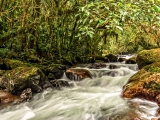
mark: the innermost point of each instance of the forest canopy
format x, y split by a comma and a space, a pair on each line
71, 29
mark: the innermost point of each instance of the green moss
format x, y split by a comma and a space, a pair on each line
147, 57
19, 77
25, 71
155, 67
33, 59
15, 63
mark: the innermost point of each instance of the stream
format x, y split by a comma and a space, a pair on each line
98, 98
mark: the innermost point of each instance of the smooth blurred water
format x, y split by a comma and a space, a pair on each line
98, 98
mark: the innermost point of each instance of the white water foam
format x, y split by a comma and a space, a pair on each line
91, 99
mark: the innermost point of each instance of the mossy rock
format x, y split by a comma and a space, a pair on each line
22, 77
155, 67
147, 57
12, 63
53, 71
144, 84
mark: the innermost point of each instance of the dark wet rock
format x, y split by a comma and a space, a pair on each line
26, 95
35, 83
81, 73
47, 84
121, 59
97, 65
106, 59
52, 70
111, 58
18, 79
147, 57
58, 84
144, 84
131, 60
6, 97
112, 66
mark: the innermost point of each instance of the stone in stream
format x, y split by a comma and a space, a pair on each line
144, 84
26, 95
112, 66
58, 84
97, 65
6, 97
81, 73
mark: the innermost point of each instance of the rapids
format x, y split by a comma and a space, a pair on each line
98, 98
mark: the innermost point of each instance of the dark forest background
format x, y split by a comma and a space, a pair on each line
75, 30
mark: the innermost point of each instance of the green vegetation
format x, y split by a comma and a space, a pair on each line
155, 67
74, 30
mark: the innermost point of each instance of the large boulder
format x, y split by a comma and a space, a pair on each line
144, 84
147, 57
20, 78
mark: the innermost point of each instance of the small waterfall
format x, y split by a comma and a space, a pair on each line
121, 70
98, 98
71, 76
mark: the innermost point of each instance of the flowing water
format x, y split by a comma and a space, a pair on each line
98, 98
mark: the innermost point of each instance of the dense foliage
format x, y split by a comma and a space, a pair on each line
73, 30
